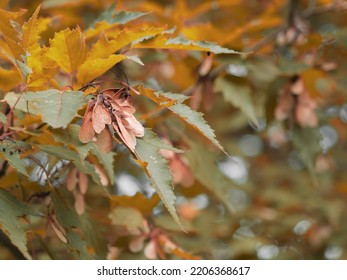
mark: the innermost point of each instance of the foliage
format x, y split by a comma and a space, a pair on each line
172, 129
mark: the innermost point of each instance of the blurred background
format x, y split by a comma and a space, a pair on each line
279, 109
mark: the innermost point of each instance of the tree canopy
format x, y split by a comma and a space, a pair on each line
173, 129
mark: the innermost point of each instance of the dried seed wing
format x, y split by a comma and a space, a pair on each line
87, 132
105, 141
71, 179
101, 117
83, 183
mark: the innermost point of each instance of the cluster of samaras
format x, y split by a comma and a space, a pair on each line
111, 108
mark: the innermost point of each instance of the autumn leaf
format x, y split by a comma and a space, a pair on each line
164, 41
10, 34
9, 79
138, 201
173, 102
41, 69
67, 49
31, 32
93, 68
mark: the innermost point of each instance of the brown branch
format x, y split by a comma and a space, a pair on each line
293, 11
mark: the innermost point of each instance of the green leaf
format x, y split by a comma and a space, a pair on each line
65, 153
203, 163
120, 17
71, 135
290, 67
10, 152
173, 102
10, 210
23, 66
208, 46
128, 217
156, 168
239, 96
57, 108
3, 118
306, 142
153, 139
68, 218
196, 120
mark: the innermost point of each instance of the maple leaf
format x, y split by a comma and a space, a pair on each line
174, 102
11, 34
67, 49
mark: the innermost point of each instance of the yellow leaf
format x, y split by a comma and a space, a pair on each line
43, 69
157, 98
3, 4
161, 42
102, 48
110, 30
31, 36
30, 119
9, 79
11, 179
94, 68
120, 39
67, 49
30, 32
311, 77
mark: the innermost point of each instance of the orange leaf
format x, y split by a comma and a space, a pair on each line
311, 78
138, 201
10, 34
9, 79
